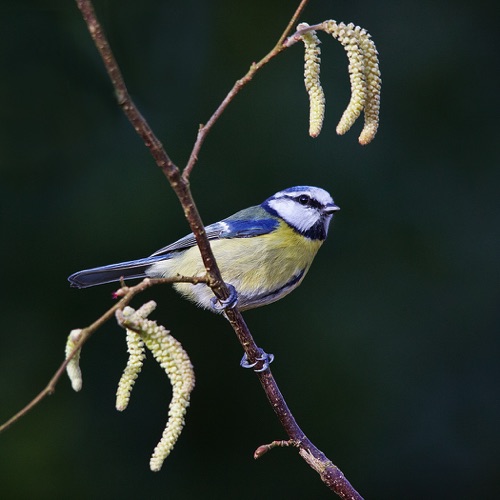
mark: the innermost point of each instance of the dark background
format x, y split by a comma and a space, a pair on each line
388, 352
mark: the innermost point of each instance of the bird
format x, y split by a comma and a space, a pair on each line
263, 252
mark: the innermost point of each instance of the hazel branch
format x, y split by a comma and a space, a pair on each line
332, 476
126, 294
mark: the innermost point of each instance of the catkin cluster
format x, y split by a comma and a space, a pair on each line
364, 75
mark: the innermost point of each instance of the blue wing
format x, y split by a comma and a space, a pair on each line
251, 222
245, 224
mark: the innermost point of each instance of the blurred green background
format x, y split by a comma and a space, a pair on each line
388, 353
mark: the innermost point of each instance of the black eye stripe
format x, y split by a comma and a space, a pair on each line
311, 203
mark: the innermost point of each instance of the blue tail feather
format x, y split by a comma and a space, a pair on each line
113, 272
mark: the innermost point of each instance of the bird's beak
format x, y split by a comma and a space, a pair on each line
329, 209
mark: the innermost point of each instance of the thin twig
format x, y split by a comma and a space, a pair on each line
239, 84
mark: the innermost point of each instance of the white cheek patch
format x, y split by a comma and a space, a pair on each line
298, 216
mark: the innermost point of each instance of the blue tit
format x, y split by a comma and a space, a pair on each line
264, 251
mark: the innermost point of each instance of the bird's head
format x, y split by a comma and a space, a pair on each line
306, 209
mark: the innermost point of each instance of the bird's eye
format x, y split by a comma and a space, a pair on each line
304, 199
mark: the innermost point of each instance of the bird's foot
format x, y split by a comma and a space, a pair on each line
229, 303
266, 359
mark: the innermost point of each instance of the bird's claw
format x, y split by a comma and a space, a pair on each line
266, 359
229, 303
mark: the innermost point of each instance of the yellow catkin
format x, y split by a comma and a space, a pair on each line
135, 348
364, 75
373, 87
312, 82
345, 35
73, 367
171, 356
